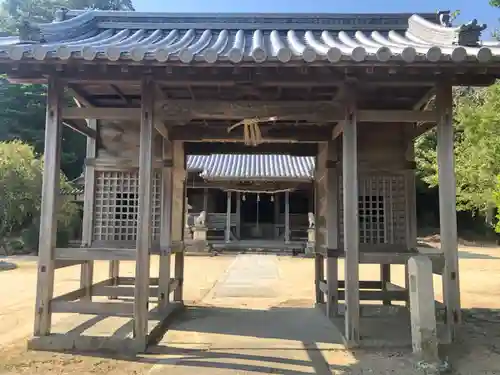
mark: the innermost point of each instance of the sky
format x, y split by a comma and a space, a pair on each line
469, 9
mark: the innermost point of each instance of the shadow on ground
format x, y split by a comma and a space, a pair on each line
281, 340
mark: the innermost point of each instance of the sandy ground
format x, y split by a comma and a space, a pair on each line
232, 329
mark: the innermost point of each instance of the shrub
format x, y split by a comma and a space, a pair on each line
21, 175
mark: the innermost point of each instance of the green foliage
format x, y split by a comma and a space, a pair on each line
477, 148
20, 188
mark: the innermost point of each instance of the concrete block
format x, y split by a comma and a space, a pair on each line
422, 309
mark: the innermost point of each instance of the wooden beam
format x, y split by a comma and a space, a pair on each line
87, 269
144, 225
48, 215
351, 221
287, 216
206, 148
447, 207
94, 253
275, 133
58, 264
123, 309
84, 130
229, 110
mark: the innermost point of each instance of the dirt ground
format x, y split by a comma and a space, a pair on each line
478, 350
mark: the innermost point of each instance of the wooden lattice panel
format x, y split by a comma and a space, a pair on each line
381, 208
116, 206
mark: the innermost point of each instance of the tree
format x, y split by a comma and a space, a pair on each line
22, 107
20, 188
477, 149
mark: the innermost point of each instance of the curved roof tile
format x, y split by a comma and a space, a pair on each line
252, 166
96, 35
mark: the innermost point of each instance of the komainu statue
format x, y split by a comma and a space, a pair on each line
199, 221
312, 222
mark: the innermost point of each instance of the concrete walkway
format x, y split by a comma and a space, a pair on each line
223, 336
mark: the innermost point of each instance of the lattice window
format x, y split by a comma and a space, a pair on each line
372, 226
116, 206
382, 209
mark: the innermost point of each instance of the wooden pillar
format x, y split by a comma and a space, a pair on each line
351, 223
447, 206
205, 200
114, 274
319, 259
87, 268
144, 224
327, 217
332, 226
165, 226
277, 215
227, 233
319, 276
385, 277
238, 214
287, 216
48, 214
411, 206
177, 224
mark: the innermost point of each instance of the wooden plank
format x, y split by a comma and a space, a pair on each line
95, 253
122, 309
48, 221
447, 207
153, 281
229, 110
87, 269
144, 225
165, 227
351, 222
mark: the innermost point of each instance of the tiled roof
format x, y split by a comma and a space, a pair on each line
273, 167
98, 35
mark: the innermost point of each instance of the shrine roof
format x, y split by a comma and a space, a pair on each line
235, 38
269, 167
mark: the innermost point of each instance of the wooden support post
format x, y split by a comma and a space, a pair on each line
385, 277
227, 232
238, 214
114, 274
87, 268
165, 228
331, 211
277, 215
287, 216
48, 215
351, 223
205, 199
144, 225
447, 206
178, 202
